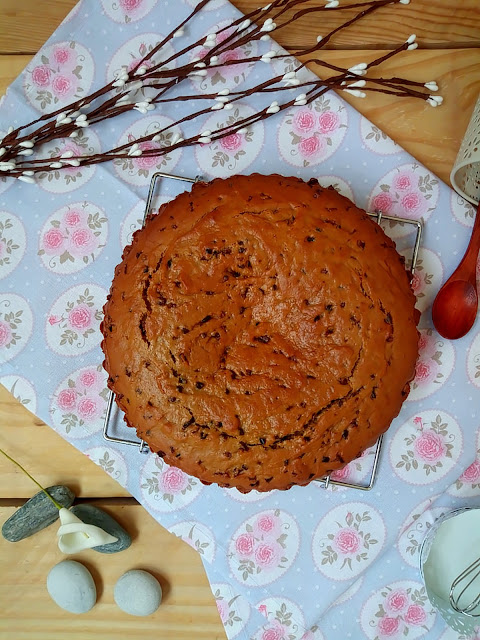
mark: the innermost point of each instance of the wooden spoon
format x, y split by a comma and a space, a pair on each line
455, 307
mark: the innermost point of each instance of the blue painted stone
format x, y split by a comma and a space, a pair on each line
36, 514
93, 515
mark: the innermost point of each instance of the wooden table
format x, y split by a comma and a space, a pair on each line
449, 52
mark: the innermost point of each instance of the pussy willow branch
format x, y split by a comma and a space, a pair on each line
286, 4
108, 109
67, 121
316, 89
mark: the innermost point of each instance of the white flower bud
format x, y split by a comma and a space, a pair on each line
27, 179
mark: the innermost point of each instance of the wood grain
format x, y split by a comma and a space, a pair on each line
46, 456
437, 23
188, 609
432, 136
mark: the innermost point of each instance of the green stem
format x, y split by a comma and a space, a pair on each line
59, 506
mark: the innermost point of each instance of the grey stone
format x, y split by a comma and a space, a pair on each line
138, 593
71, 586
36, 514
93, 515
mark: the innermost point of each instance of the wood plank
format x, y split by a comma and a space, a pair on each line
26, 24
433, 136
437, 23
10, 67
188, 609
46, 456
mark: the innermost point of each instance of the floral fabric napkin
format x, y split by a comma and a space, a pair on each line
306, 563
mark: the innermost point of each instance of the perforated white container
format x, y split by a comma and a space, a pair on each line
465, 175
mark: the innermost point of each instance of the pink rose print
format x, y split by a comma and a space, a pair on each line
233, 71
272, 634
245, 544
411, 194
72, 218
88, 408
303, 121
415, 615
310, 146
418, 422
130, 5
313, 133
267, 554
134, 63
267, 525
396, 602
67, 399
382, 202
228, 56
147, 162
82, 242
88, 379
425, 372
388, 627
404, 181
76, 412
234, 54
62, 55
76, 150
222, 607
2, 248
430, 446
263, 610
231, 56
342, 475
62, 86
347, 541
5, 333
66, 70
80, 317
41, 75
416, 284
472, 474
422, 341
400, 610
328, 121
54, 320
72, 237
413, 203
53, 241
276, 632
232, 142
174, 480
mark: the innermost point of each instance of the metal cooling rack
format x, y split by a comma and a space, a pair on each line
327, 480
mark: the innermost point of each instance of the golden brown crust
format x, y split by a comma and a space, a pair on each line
260, 332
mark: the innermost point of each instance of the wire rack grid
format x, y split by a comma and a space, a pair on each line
326, 481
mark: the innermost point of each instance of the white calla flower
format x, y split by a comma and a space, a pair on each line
74, 535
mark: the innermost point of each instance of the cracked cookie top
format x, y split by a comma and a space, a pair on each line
260, 332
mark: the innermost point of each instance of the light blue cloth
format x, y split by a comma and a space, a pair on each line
286, 555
